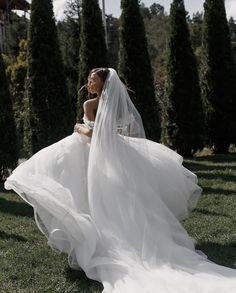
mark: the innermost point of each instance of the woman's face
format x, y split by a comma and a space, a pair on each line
95, 84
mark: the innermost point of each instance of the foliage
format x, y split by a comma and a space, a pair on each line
8, 146
68, 33
182, 124
195, 27
113, 40
93, 51
50, 109
16, 31
218, 78
16, 71
157, 29
135, 67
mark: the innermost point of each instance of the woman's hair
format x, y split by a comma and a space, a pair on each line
101, 72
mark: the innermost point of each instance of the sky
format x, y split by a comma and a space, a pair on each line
113, 6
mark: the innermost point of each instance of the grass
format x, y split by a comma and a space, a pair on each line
213, 222
28, 264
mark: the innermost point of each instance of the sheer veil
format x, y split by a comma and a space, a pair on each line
117, 121
116, 110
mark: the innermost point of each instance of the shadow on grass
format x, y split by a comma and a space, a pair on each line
15, 208
212, 176
231, 158
195, 166
224, 255
4, 235
215, 191
82, 282
209, 213
202, 163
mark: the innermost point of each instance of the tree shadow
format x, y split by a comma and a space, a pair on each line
224, 255
4, 235
81, 282
214, 191
212, 176
200, 163
231, 158
209, 213
15, 208
195, 166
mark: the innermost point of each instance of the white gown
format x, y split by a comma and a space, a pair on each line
120, 226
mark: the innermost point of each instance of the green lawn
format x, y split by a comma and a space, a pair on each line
213, 222
28, 264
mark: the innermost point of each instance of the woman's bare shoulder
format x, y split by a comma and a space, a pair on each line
90, 104
89, 107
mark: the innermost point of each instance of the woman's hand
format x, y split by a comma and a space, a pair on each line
80, 128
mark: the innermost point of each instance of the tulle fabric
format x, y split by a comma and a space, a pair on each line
113, 204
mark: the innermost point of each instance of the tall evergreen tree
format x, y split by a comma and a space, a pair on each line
218, 77
8, 143
50, 107
183, 124
93, 51
135, 68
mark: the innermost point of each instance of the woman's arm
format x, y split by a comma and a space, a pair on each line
88, 107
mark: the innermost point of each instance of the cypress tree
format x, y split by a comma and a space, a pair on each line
183, 120
135, 68
93, 51
50, 107
218, 78
183, 124
8, 143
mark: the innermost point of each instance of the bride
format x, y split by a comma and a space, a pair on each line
112, 200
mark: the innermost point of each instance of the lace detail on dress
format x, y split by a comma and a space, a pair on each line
122, 125
88, 123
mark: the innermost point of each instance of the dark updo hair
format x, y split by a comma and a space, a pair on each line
102, 72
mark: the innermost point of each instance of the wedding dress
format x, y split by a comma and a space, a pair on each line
113, 203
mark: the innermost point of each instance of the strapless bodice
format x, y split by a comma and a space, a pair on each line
88, 123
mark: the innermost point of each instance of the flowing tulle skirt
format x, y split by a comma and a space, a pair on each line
128, 236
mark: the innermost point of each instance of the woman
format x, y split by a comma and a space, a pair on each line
112, 200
